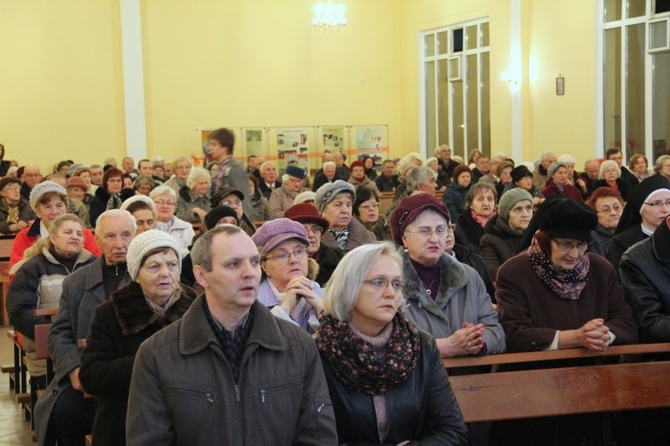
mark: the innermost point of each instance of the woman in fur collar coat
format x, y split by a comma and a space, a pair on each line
153, 300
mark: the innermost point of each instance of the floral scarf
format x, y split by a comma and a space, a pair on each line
567, 283
354, 361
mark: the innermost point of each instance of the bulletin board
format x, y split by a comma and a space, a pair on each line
291, 144
370, 140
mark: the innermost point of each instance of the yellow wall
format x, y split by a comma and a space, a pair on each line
61, 88
260, 63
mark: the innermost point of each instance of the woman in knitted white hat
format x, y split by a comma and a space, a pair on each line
153, 300
48, 200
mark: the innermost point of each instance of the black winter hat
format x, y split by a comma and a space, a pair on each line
567, 218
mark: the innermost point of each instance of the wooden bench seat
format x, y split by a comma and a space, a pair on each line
562, 390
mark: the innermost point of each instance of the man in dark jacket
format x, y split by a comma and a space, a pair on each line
63, 414
229, 372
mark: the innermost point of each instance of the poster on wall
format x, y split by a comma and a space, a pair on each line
292, 146
372, 141
254, 142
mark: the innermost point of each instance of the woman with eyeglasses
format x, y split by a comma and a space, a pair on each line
647, 208
386, 379
234, 199
609, 175
445, 297
15, 211
556, 296
366, 210
288, 287
608, 205
165, 200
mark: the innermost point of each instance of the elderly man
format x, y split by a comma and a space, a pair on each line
541, 174
207, 378
128, 164
590, 175
482, 168
32, 176
387, 181
443, 155
63, 415
282, 198
327, 174
315, 225
269, 181
97, 173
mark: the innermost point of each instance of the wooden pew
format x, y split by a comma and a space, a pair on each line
562, 390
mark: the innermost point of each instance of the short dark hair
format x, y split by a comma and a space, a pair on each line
109, 173
224, 137
201, 253
144, 160
612, 151
363, 194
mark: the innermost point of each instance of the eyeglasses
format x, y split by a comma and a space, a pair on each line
381, 284
426, 232
164, 203
299, 253
369, 206
659, 203
313, 228
566, 247
231, 203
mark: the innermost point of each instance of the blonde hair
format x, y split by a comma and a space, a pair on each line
45, 242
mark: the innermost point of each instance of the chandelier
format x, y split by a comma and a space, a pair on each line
329, 16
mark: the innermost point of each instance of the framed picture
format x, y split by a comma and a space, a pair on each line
560, 86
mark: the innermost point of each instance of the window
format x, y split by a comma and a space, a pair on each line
455, 88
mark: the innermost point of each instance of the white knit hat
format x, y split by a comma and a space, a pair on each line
41, 189
136, 198
145, 242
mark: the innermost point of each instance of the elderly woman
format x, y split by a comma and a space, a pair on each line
441, 176
412, 159
523, 178
76, 188
143, 184
662, 166
366, 210
445, 297
15, 211
358, 177
454, 196
110, 195
568, 298
608, 205
385, 377
639, 166
48, 200
165, 200
505, 230
153, 300
38, 279
480, 205
647, 208
143, 210
181, 168
335, 201
288, 287
234, 198
610, 176
193, 202
558, 183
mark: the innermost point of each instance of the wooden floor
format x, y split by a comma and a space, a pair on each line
14, 429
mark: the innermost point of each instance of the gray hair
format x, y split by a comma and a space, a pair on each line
163, 190
196, 174
416, 176
180, 159
158, 161
265, 165
201, 253
143, 179
546, 155
345, 284
606, 165
329, 164
567, 159
407, 161
658, 165
114, 213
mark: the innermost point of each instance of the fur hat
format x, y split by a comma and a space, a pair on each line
458, 170
41, 189
328, 191
216, 214
409, 208
77, 182
567, 218
273, 232
357, 163
295, 171
510, 198
504, 164
145, 242
520, 172
306, 213
8, 180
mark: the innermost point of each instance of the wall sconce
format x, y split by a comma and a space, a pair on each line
329, 16
560, 85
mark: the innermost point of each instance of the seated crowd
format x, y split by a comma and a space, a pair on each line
229, 305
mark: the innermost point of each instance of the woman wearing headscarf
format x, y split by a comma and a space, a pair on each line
647, 208
558, 183
385, 377
15, 212
152, 300
480, 208
504, 231
568, 298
